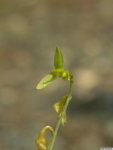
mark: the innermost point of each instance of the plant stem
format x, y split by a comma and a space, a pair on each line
60, 119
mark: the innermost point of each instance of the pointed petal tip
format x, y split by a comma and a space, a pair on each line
58, 48
38, 88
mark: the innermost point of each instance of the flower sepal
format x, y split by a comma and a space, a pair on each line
48, 79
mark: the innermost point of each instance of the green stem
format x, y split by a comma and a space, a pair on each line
60, 119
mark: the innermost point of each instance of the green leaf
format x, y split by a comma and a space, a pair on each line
58, 59
48, 79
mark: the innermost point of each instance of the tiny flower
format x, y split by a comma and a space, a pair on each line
58, 72
41, 141
59, 107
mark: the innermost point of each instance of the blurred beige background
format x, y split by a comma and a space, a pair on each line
30, 31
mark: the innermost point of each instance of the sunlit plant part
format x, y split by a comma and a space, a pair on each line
59, 107
58, 59
41, 141
62, 73
48, 79
58, 72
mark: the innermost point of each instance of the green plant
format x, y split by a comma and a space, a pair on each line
59, 107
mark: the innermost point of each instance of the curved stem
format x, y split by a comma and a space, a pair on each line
60, 119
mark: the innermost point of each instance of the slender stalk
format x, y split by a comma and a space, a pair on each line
60, 119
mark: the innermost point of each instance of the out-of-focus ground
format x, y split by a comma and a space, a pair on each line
30, 30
